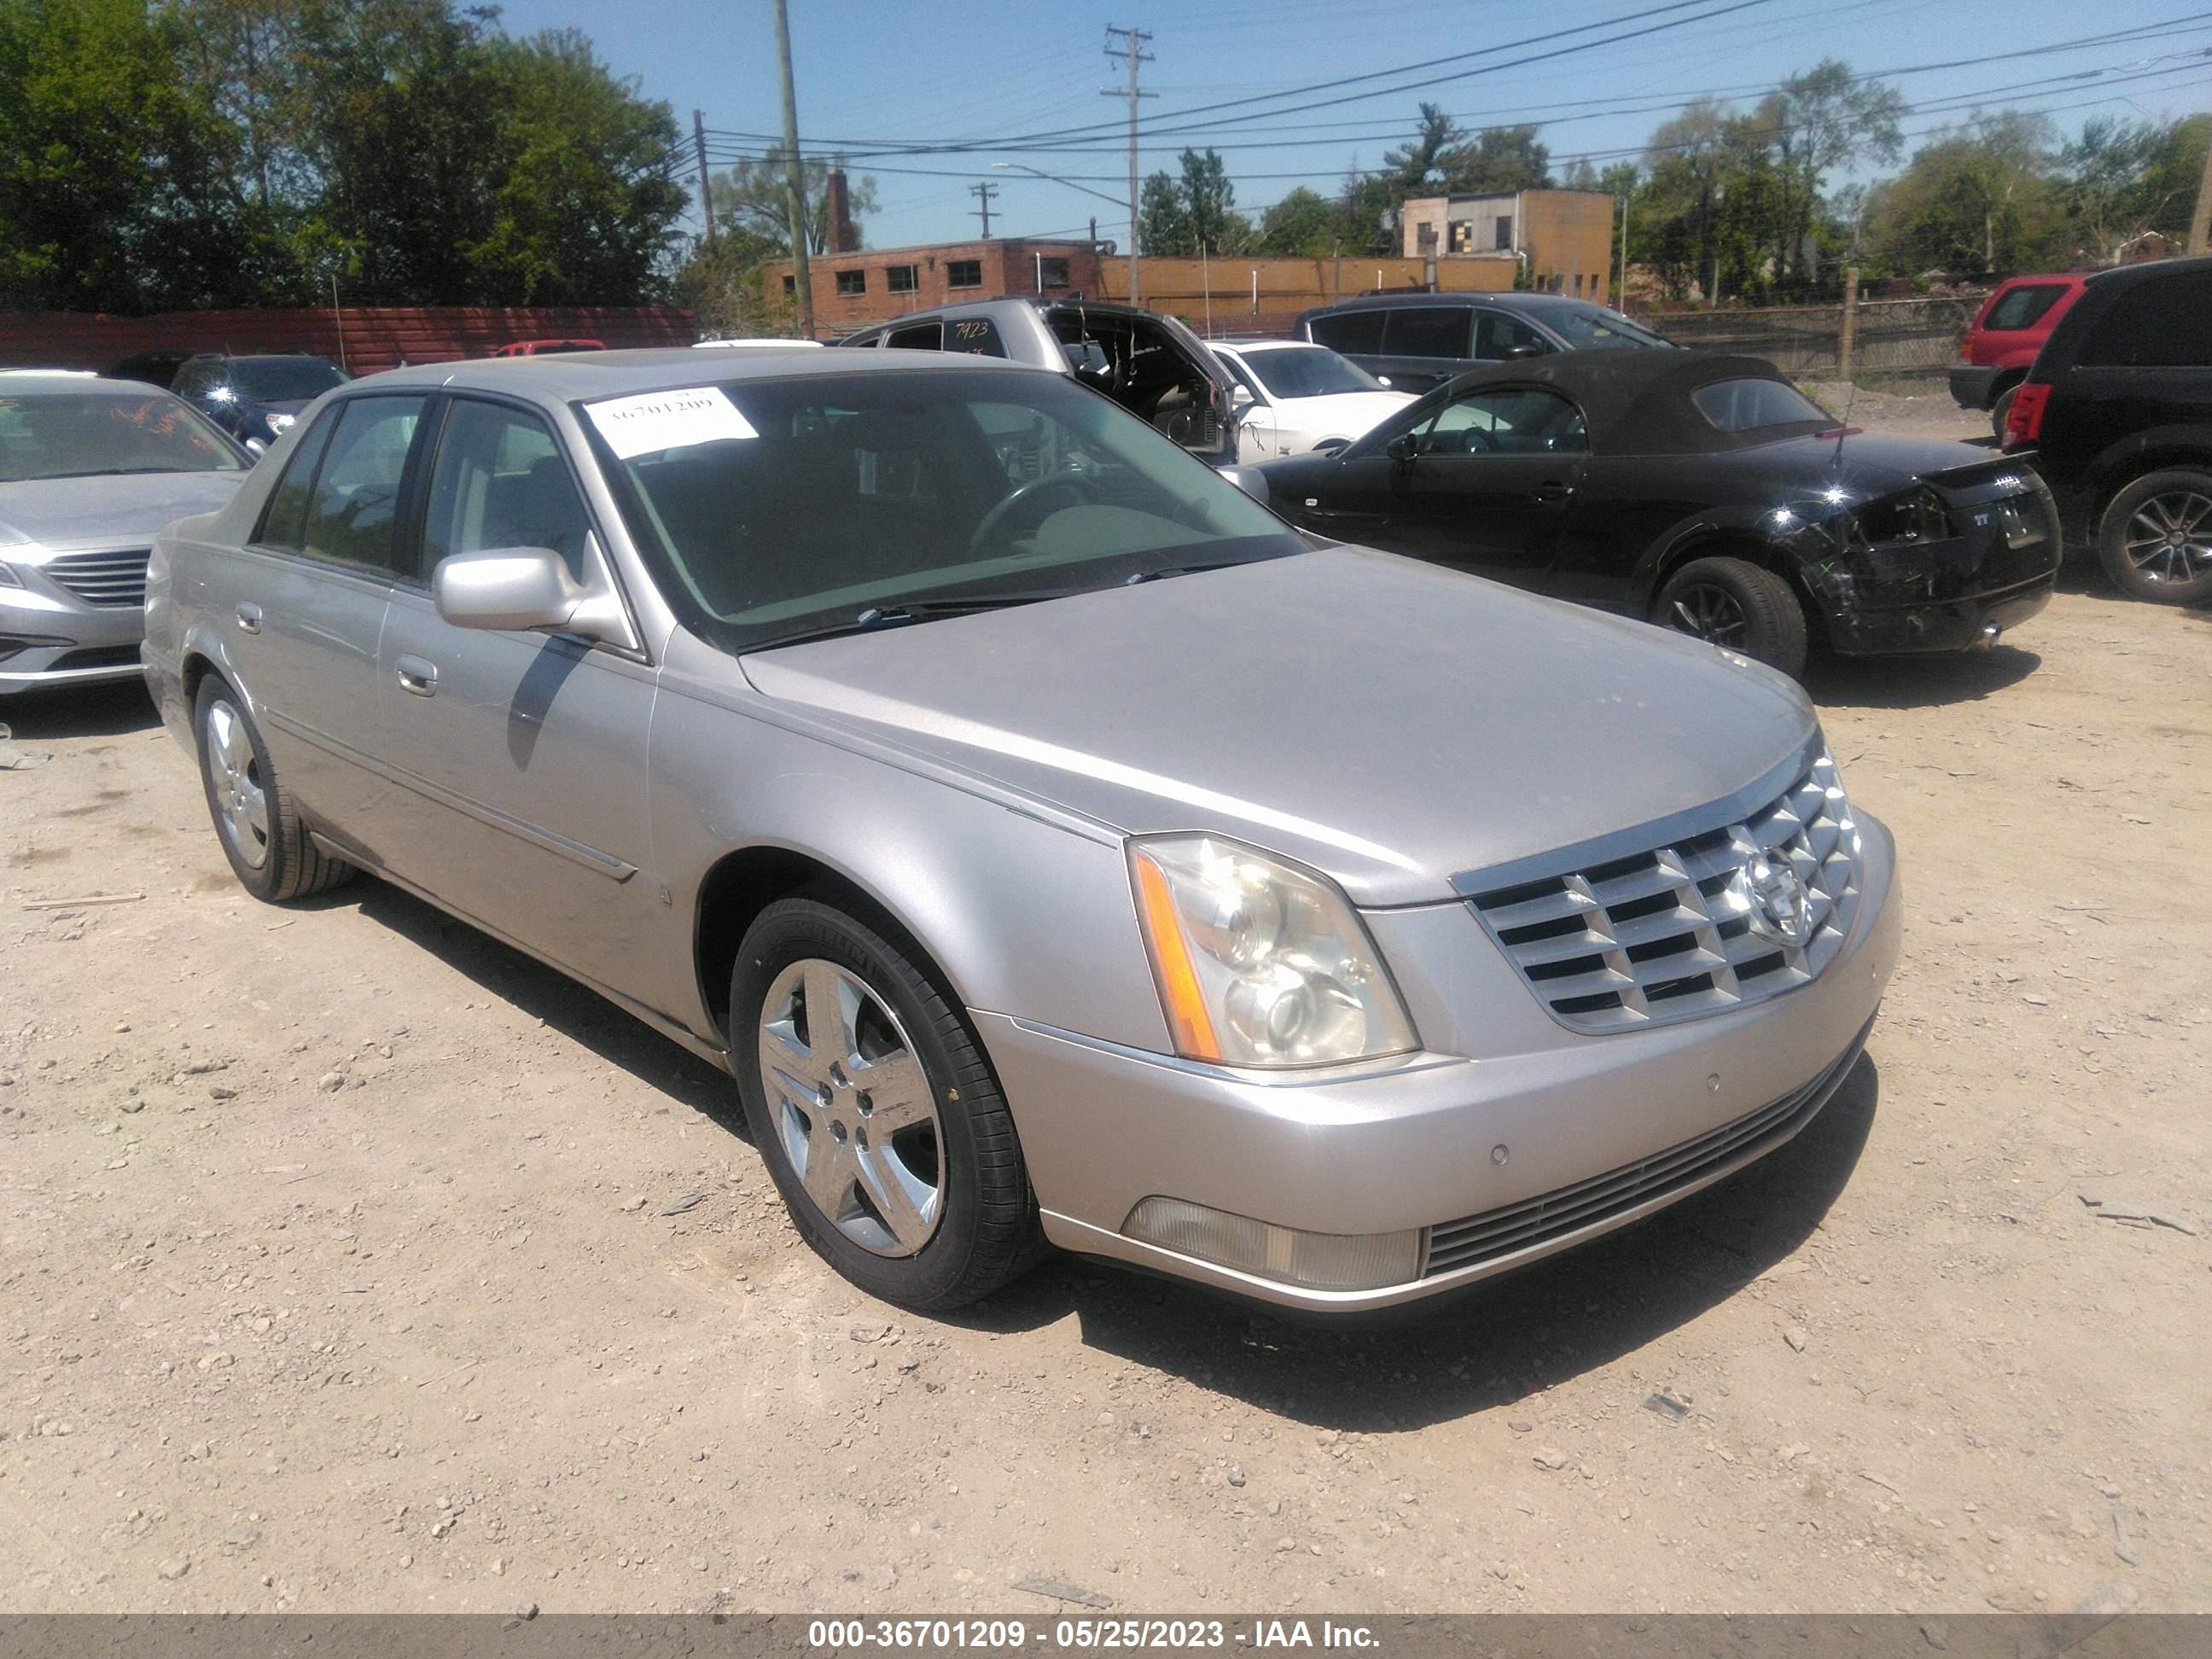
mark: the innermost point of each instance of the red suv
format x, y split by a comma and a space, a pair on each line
2008, 332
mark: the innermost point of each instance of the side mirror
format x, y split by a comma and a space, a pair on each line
1239, 398
1403, 448
506, 587
1250, 480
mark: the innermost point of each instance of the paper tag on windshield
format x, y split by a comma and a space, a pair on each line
654, 421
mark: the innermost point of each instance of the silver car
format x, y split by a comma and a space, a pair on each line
89, 470
1053, 847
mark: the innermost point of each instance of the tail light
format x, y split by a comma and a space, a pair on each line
1966, 348
2024, 420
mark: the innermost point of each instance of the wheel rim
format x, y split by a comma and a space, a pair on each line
1709, 612
852, 1108
241, 803
2169, 537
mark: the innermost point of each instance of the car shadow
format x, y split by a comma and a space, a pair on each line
1506, 1340
79, 711
576, 1011
1919, 682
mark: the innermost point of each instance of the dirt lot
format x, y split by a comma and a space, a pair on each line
349, 1261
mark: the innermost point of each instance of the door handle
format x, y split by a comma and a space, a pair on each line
249, 618
418, 675
1552, 490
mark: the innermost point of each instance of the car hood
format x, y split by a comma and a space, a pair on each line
104, 511
1388, 722
1351, 413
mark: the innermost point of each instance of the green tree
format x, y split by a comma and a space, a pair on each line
1980, 200
1820, 120
1303, 222
749, 199
111, 165
1163, 219
582, 206
1422, 166
2124, 181
1208, 199
1497, 160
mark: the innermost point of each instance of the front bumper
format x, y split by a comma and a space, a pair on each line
1970, 384
1595, 1131
47, 640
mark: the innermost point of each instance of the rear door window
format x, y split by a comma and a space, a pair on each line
353, 517
2022, 307
1428, 332
1505, 421
978, 336
1349, 332
917, 336
284, 520
2163, 323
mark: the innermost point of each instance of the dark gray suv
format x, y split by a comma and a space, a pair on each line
1417, 341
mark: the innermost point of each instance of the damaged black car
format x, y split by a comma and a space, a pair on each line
1699, 491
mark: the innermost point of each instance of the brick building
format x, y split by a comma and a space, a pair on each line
852, 290
1564, 236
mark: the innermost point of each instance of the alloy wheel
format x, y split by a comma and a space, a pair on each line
2169, 537
1711, 613
852, 1108
234, 773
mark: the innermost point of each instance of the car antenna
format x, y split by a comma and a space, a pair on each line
1836, 461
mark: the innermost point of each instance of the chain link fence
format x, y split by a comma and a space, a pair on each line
1897, 338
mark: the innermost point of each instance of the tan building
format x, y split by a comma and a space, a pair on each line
872, 285
1563, 237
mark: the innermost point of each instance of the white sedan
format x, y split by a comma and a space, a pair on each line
1301, 397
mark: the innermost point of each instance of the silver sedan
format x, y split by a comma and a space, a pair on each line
1054, 848
89, 470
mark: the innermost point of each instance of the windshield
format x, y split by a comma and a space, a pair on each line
1753, 405
776, 509
283, 379
1309, 371
1594, 328
80, 435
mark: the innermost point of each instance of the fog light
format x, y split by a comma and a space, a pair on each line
1320, 1261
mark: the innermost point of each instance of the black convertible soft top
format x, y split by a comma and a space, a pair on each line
1638, 402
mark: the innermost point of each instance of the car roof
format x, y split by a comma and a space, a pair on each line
1646, 392
2149, 270
72, 379
1505, 299
566, 376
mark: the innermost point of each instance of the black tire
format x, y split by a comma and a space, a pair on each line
277, 861
1737, 604
985, 1232
2149, 513
2000, 409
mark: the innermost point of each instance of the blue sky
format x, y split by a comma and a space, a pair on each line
991, 70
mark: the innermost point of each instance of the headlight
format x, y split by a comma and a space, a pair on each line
1258, 962
280, 422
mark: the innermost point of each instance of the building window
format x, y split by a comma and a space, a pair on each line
851, 283
1052, 273
1559, 283
1578, 285
1504, 242
900, 279
963, 273
1593, 287
1462, 236
791, 285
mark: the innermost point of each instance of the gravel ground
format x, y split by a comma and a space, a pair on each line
350, 1261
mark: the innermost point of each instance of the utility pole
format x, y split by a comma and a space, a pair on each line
1133, 52
983, 193
706, 192
802, 279
1620, 288
2200, 222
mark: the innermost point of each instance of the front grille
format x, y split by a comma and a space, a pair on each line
116, 579
1513, 1227
1677, 930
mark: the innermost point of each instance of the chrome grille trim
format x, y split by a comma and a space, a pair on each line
117, 578
1649, 936
1513, 1227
